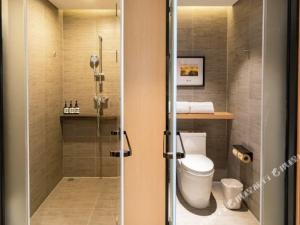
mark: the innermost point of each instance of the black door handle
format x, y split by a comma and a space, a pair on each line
169, 155
126, 152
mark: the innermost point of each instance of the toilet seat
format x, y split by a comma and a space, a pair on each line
197, 164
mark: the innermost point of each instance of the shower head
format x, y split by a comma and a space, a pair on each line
94, 62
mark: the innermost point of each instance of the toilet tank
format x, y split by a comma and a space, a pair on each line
194, 143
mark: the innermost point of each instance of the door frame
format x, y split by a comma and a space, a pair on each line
167, 109
14, 176
292, 179
292, 110
1, 126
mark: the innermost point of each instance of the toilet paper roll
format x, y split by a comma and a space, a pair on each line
235, 152
242, 153
240, 156
246, 159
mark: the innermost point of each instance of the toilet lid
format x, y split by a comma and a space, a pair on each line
198, 164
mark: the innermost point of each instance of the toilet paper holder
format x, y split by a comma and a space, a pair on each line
242, 153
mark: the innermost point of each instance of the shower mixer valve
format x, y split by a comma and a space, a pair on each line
101, 100
96, 63
99, 77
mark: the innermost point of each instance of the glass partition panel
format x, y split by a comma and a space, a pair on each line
171, 132
75, 112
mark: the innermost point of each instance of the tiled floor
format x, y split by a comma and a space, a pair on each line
82, 201
95, 201
216, 214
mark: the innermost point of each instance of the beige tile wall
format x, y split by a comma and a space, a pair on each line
85, 154
202, 31
80, 36
60, 45
45, 100
245, 89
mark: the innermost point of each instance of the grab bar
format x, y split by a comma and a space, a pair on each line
126, 153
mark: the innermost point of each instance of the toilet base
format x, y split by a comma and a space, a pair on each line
195, 189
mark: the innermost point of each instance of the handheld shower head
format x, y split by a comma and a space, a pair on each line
94, 62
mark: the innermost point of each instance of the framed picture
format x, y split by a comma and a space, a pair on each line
191, 71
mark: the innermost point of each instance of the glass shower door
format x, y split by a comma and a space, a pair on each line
75, 154
170, 134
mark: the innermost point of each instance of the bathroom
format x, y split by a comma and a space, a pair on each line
230, 41
144, 112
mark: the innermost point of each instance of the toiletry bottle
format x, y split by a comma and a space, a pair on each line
77, 108
66, 108
71, 108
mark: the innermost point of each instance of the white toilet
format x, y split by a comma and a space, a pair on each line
195, 172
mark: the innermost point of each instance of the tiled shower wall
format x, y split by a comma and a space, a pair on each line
202, 31
80, 40
245, 90
85, 154
45, 100
60, 46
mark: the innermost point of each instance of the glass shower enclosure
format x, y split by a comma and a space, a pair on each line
76, 149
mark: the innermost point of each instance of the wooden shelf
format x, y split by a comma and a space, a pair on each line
181, 116
86, 116
205, 116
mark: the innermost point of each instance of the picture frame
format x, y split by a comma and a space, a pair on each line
191, 71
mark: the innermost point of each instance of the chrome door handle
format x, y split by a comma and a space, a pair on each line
126, 152
169, 155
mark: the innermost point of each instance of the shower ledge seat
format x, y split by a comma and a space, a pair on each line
85, 116
181, 116
205, 116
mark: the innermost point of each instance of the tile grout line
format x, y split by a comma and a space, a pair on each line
90, 210
94, 209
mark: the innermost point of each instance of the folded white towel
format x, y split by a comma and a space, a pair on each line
183, 107
202, 107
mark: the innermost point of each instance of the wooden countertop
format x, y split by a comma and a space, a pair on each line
205, 116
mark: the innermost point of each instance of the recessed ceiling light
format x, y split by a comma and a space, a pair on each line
84, 4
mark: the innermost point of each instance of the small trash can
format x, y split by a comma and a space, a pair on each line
232, 189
